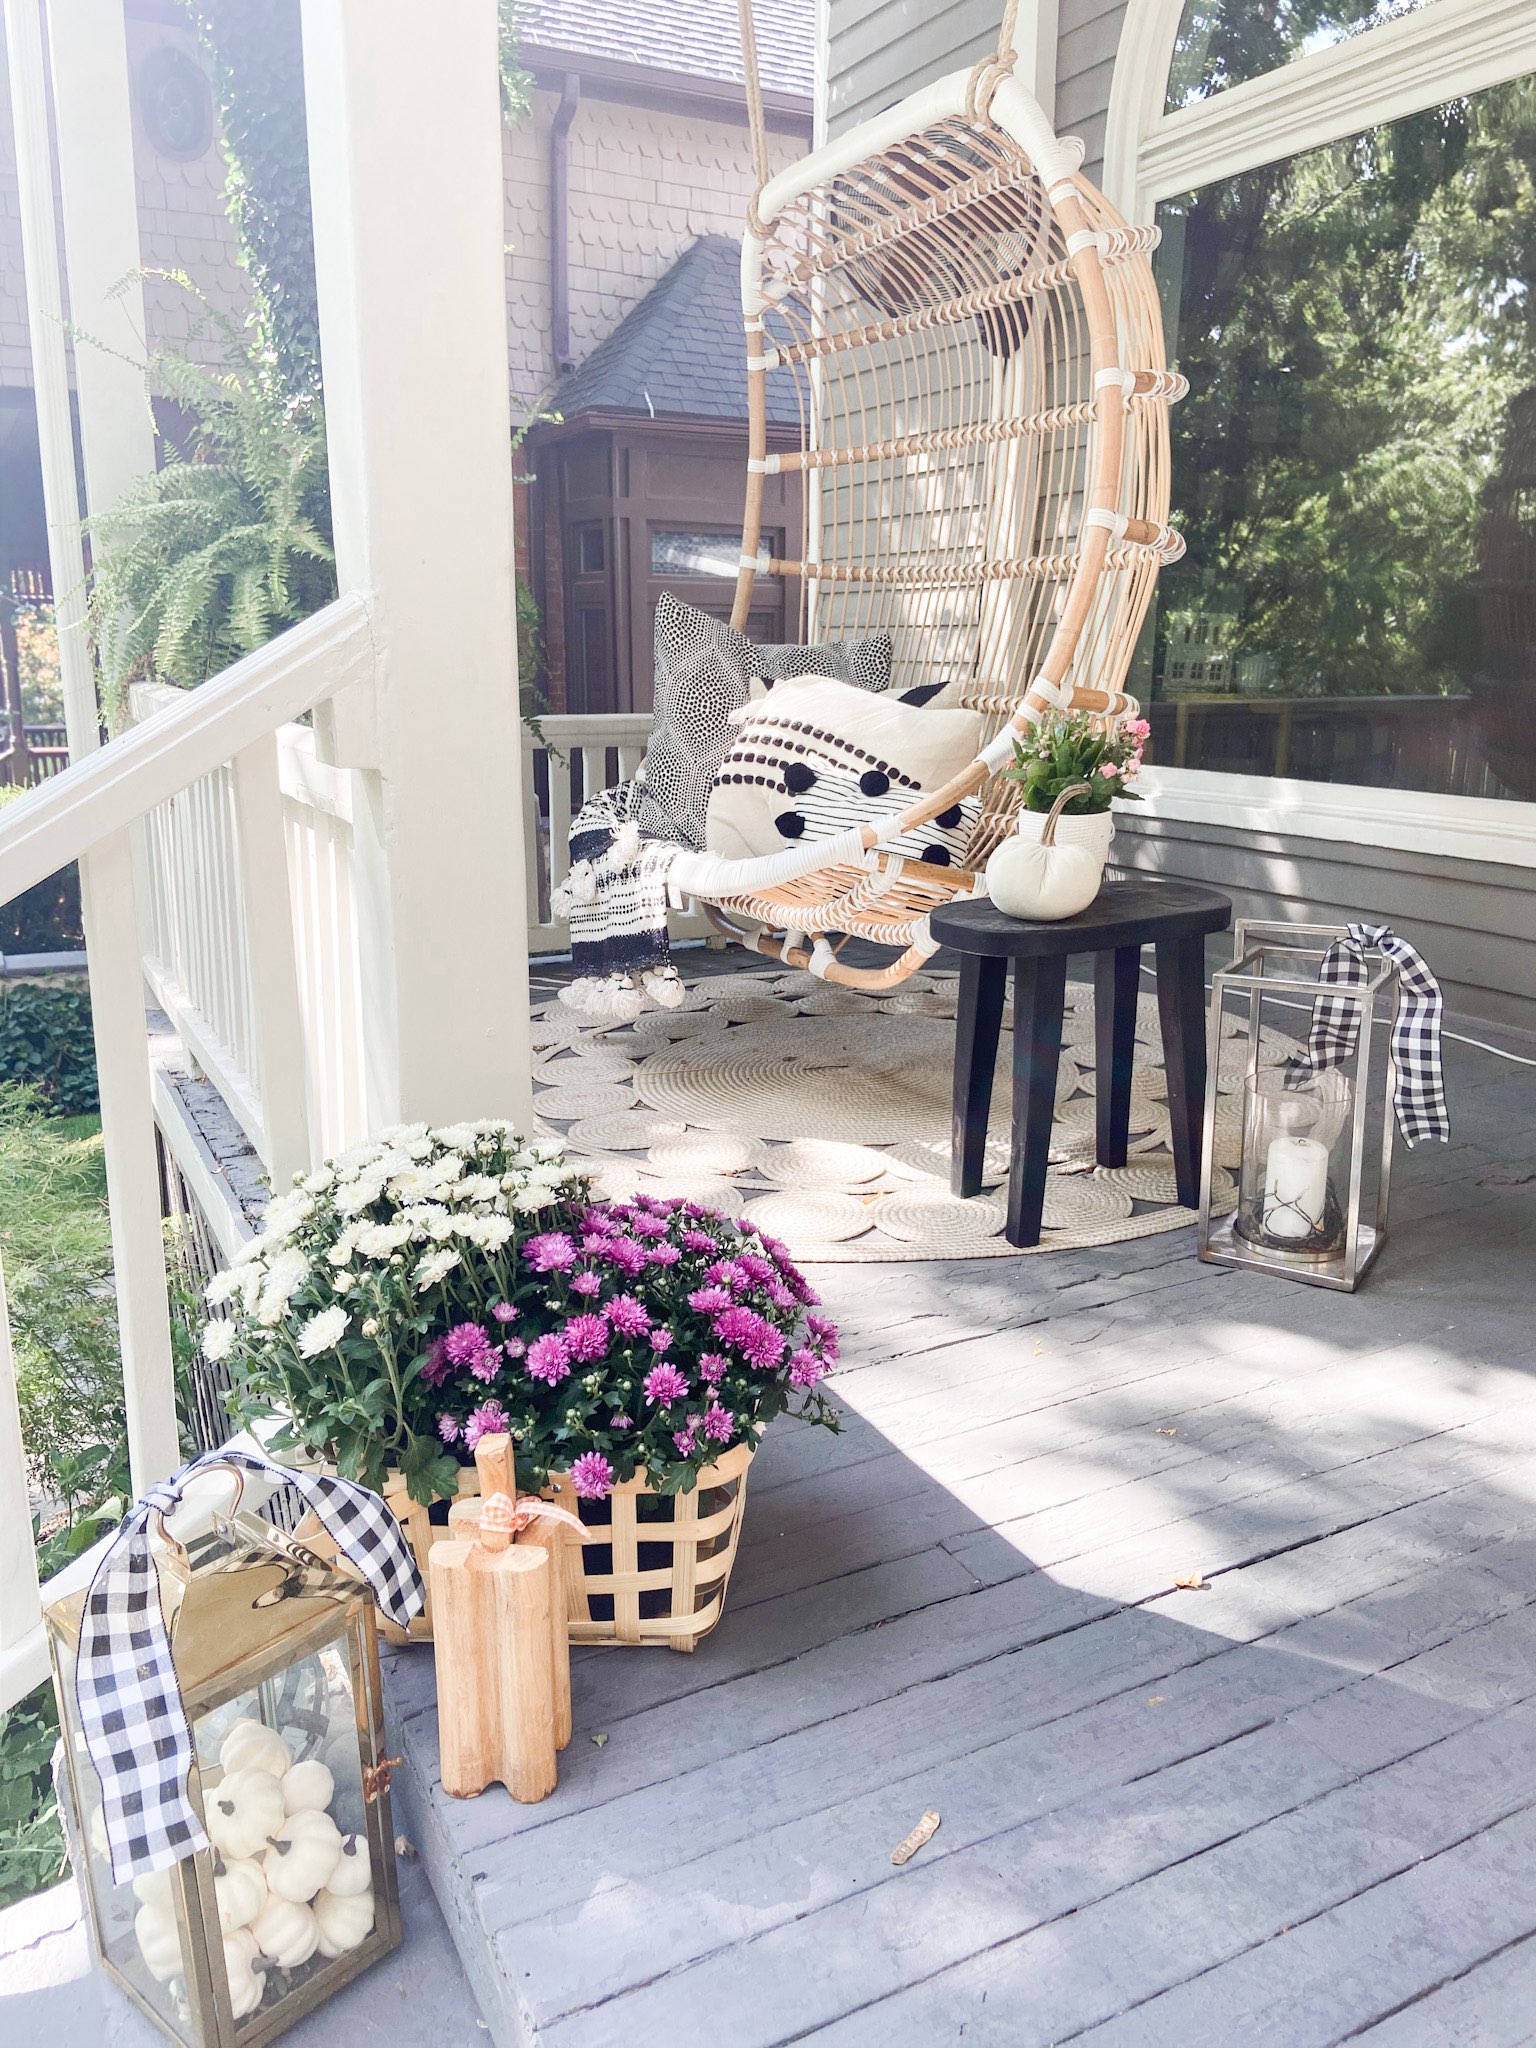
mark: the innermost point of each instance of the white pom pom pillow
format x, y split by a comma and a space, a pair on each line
816, 756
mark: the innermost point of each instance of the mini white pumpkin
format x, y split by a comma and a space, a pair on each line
240, 1890
343, 1922
244, 1810
1038, 878
246, 1982
154, 1888
308, 1787
159, 1941
252, 1746
352, 1872
286, 1932
302, 1856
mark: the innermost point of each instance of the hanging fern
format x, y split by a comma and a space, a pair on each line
228, 542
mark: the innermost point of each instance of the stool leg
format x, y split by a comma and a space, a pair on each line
978, 1023
1039, 996
1181, 1009
1116, 980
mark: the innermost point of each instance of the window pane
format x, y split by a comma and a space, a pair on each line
1355, 466
695, 554
1223, 42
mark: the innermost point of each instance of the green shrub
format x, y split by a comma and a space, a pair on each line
32, 1853
56, 1243
46, 1044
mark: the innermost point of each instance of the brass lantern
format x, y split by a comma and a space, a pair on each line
1312, 1187
277, 1663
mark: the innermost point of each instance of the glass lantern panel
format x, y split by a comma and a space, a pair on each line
1294, 1180
282, 1774
138, 1924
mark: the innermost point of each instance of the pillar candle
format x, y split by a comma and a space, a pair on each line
1295, 1187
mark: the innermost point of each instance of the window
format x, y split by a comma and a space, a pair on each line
1226, 42
694, 554
1354, 466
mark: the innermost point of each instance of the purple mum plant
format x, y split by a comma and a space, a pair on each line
658, 1335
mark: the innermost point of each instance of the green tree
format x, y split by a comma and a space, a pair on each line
1356, 325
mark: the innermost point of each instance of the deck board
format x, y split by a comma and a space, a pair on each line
1296, 1806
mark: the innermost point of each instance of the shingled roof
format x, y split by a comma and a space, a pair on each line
700, 37
681, 351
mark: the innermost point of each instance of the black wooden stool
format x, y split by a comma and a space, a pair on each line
1174, 917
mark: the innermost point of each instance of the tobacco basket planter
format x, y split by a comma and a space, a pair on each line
652, 1578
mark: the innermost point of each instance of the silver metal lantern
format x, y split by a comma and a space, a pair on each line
1308, 1169
276, 1658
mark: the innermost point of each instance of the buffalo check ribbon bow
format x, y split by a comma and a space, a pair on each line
1420, 1098
129, 1701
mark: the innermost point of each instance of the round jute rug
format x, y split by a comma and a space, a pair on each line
825, 1115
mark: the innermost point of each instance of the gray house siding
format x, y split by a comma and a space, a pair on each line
1089, 35
1475, 921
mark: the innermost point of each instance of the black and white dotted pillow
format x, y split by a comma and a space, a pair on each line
816, 756
826, 800
864, 663
704, 672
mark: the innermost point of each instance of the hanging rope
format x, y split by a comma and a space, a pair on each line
757, 120
992, 70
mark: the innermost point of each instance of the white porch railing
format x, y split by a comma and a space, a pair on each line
195, 923
265, 889
570, 759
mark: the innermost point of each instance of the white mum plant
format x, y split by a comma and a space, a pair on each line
327, 1316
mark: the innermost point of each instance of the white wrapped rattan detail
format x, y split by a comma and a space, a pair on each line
1114, 523
822, 957
1088, 238
1126, 379
998, 752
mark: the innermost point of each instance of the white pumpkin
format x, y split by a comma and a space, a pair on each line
159, 1941
240, 1890
286, 1932
1041, 879
303, 1854
246, 1982
244, 1810
352, 1872
343, 1922
308, 1787
252, 1746
154, 1888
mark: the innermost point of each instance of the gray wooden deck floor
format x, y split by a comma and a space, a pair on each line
1296, 1807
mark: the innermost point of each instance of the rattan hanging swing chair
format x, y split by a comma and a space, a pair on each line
977, 348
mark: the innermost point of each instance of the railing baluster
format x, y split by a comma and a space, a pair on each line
535, 873
265, 910
23, 1651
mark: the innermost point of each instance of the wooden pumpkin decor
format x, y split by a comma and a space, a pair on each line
503, 1661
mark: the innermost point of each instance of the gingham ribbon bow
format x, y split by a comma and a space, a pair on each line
125, 1682
1420, 1100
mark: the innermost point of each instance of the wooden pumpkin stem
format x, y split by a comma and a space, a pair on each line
1048, 836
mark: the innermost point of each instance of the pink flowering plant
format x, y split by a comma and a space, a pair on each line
1072, 746
647, 1334
375, 1267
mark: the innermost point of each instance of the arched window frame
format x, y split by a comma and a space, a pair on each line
1446, 48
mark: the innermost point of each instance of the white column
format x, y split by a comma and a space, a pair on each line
1035, 41
406, 175
106, 874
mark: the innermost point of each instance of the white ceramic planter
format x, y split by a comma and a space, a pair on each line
1051, 866
1094, 830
